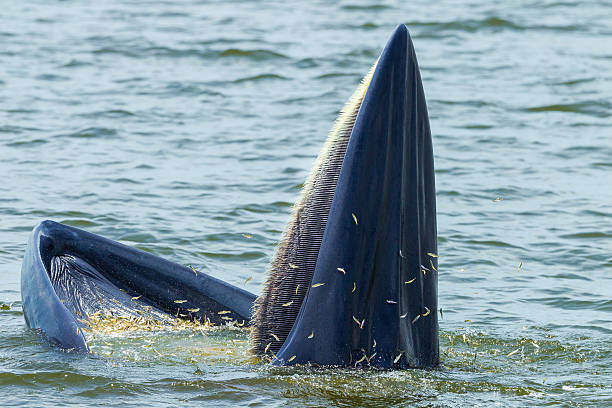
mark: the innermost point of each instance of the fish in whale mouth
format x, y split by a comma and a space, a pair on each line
354, 279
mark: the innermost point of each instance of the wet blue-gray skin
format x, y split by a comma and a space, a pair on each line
379, 310
68, 273
384, 307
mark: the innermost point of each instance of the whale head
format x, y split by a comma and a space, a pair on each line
354, 278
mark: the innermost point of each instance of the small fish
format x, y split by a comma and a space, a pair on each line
520, 266
293, 266
404, 315
341, 270
512, 353
410, 281
296, 288
275, 336
194, 271
248, 279
197, 309
287, 304
226, 318
393, 302
311, 335
397, 358
400, 254
361, 324
534, 344
415, 319
354, 287
180, 301
361, 359
291, 359
136, 297
432, 255
78, 331
354, 218
356, 320
183, 315
224, 312
247, 235
371, 357
441, 314
374, 345
316, 285
432, 265
427, 311
267, 348
424, 267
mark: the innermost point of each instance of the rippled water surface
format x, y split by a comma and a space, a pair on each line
186, 128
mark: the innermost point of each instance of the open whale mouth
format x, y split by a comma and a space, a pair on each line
353, 282
354, 279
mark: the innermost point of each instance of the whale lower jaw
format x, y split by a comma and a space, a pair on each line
69, 275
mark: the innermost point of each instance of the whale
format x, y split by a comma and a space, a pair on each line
353, 281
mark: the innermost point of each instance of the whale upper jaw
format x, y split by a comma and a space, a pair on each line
354, 281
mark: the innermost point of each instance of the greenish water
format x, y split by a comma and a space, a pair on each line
185, 128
